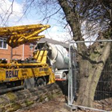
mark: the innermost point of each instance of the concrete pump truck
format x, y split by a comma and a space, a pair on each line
20, 74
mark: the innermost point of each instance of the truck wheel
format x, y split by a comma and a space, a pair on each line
40, 82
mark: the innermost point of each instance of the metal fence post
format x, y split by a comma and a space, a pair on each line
71, 76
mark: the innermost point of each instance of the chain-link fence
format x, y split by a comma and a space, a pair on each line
103, 92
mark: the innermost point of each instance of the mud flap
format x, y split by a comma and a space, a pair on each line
29, 83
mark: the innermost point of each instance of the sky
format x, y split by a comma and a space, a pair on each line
17, 14
13, 14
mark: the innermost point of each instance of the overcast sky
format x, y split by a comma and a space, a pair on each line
14, 14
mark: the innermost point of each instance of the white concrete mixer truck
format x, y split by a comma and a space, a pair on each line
57, 58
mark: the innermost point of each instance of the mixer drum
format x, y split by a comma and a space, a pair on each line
59, 55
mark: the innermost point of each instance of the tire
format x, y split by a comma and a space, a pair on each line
40, 82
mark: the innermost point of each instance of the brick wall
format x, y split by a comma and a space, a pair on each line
5, 53
21, 52
28, 52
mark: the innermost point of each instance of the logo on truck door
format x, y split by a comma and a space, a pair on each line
10, 73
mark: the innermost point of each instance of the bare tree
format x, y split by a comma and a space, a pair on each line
95, 13
98, 12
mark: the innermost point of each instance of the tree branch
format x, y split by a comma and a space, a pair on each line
72, 18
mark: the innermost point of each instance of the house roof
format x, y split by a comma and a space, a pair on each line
43, 40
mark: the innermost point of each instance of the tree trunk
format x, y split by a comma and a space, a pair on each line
90, 72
